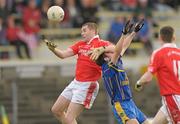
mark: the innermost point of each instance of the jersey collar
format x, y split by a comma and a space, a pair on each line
96, 36
173, 45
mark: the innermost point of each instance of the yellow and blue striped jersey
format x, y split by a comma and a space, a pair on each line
116, 81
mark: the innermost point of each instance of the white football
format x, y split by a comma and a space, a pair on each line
55, 13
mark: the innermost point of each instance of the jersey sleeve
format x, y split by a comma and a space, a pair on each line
75, 47
154, 63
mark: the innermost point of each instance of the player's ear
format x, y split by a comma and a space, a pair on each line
173, 38
160, 38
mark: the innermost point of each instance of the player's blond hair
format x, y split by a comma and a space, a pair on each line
91, 26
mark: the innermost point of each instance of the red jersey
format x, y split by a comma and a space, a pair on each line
12, 33
165, 63
86, 69
31, 20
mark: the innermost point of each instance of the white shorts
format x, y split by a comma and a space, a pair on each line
81, 92
171, 108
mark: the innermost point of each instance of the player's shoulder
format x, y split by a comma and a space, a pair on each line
158, 51
79, 42
101, 40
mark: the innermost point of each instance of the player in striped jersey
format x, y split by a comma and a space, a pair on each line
116, 81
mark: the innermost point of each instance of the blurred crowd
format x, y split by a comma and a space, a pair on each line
21, 20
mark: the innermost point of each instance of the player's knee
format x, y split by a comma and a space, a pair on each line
68, 120
56, 112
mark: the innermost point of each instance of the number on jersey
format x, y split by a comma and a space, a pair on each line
176, 68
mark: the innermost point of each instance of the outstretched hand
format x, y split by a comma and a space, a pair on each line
50, 44
139, 25
138, 87
96, 52
127, 27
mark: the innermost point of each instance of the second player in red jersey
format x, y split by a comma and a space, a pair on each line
165, 64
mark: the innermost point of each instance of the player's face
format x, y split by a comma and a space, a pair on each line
86, 33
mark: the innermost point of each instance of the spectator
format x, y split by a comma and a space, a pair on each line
3, 10
143, 7
171, 3
3, 40
73, 12
9, 4
44, 8
18, 8
31, 17
115, 30
12, 36
144, 35
88, 11
129, 4
31, 23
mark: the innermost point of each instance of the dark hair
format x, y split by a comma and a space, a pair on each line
100, 61
167, 33
92, 26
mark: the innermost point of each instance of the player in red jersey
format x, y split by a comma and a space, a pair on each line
82, 91
165, 63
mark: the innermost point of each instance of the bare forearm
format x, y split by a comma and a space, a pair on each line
58, 53
122, 45
118, 49
127, 42
147, 77
110, 48
119, 45
63, 53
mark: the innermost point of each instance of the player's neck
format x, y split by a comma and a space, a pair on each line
92, 38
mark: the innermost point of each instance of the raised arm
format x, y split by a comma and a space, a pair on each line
127, 42
120, 44
58, 52
126, 39
130, 37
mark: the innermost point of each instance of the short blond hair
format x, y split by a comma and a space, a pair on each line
91, 26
